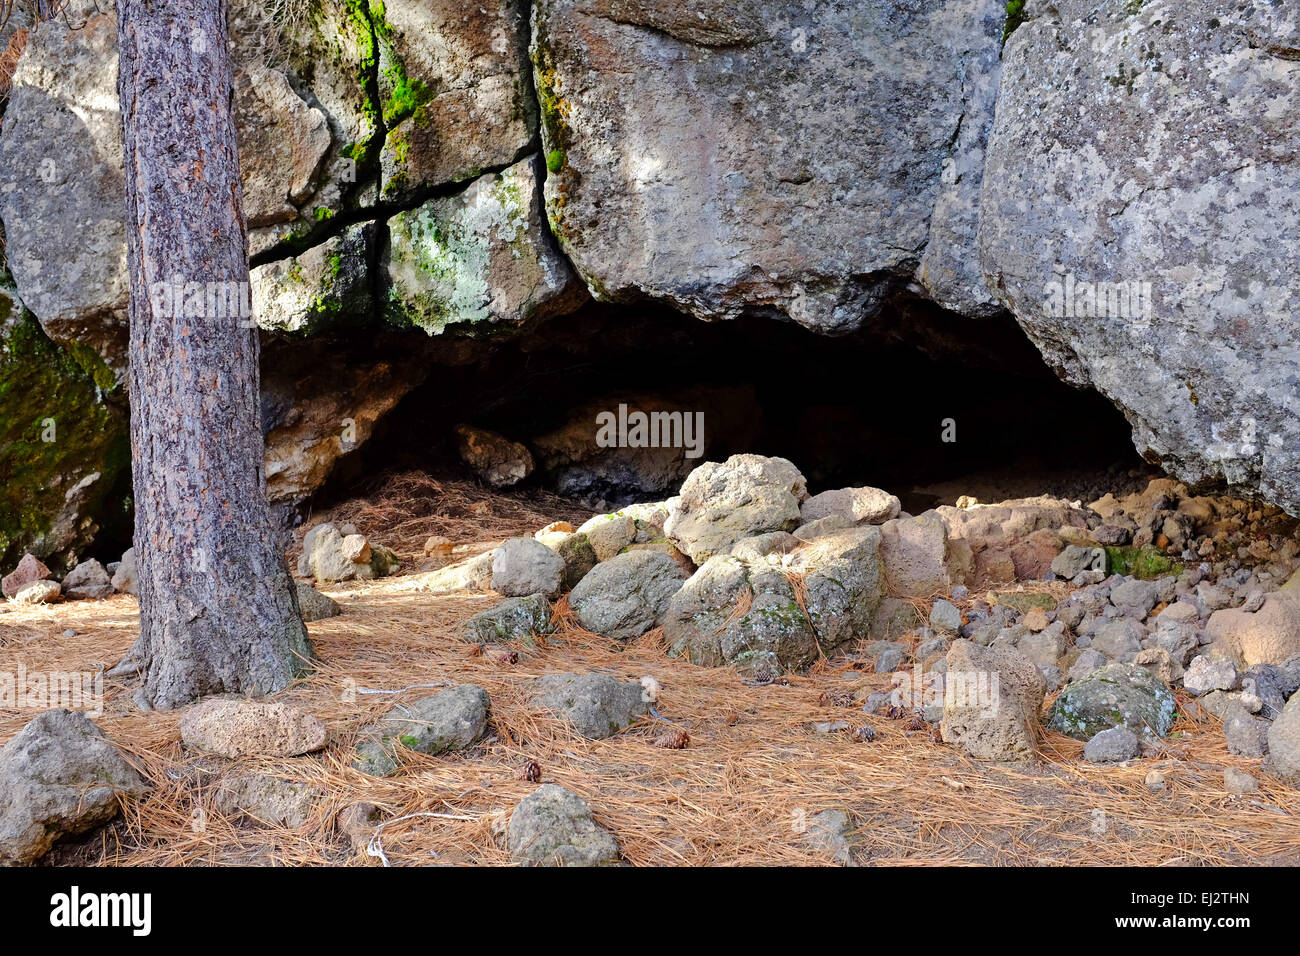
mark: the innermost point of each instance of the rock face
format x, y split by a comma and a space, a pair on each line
721, 503
628, 595
782, 628
991, 703
554, 827
494, 458
597, 705
241, 728
736, 113
61, 777
1141, 268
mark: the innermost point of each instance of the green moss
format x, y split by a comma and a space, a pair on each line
555, 160
1145, 563
69, 396
1015, 17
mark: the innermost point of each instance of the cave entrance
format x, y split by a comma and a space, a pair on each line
925, 404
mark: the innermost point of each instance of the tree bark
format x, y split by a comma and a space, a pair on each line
218, 609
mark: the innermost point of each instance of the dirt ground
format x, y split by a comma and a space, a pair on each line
740, 794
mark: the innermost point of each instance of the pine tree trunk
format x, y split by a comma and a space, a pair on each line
218, 610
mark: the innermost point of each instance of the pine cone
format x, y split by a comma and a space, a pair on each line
500, 654
674, 740
531, 771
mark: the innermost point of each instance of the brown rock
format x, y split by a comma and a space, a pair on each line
240, 728
29, 570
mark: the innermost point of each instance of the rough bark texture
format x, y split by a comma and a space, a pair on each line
218, 612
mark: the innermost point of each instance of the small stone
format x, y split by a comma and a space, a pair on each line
524, 566
39, 592
1112, 746
124, 575
1247, 735
358, 822
314, 605
450, 720
1155, 781
828, 832
830, 726
1238, 781
270, 801
945, 617
438, 546
1036, 619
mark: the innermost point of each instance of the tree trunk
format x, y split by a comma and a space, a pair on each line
218, 610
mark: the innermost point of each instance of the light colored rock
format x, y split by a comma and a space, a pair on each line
523, 566
39, 592
597, 705
1270, 635
319, 288
554, 827
993, 710
609, 534
235, 727
329, 555
627, 595
1284, 743
857, 505
917, 559
472, 574
88, 580
1207, 673
722, 503
61, 777
1238, 781
494, 458
1090, 190
271, 801
124, 576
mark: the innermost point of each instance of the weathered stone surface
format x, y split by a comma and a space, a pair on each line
39, 592
1269, 635
477, 259
230, 727
454, 89
627, 595
856, 505
1112, 746
449, 720
61, 777
472, 574
1117, 695
329, 555
842, 584
494, 458
271, 801
124, 576
1137, 146
736, 113
88, 580
554, 827
918, 558
523, 566
1284, 742
597, 705
994, 713
29, 570
721, 503
314, 605
514, 619
1011, 540
322, 287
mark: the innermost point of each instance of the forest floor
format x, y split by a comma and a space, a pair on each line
742, 793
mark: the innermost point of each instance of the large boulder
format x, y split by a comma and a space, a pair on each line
88, 580
919, 558
722, 503
449, 720
626, 596
1117, 695
60, 777
1269, 635
796, 607
855, 505
1143, 224
524, 566
1284, 742
554, 827
698, 153
992, 699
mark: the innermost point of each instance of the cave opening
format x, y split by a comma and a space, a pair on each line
924, 403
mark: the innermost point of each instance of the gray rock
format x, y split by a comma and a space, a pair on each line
1088, 661
271, 801
579, 558
1141, 595
828, 832
854, 505
609, 534
597, 705
629, 594
744, 496
1238, 781
1112, 746
761, 545
826, 525
945, 617
1089, 194
554, 827
88, 580
124, 576
842, 586
1206, 673
733, 121
314, 605
1117, 695
39, 592
917, 557
1119, 640
1043, 648
329, 555
1284, 743
514, 619
61, 777
1073, 561
447, 721
1247, 735
524, 566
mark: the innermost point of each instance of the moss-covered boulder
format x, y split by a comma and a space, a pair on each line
63, 443
1117, 695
